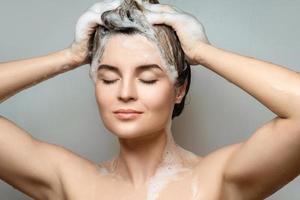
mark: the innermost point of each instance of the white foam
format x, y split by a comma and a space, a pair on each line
146, 30
195, 189
103, 171
175, 163
168, 170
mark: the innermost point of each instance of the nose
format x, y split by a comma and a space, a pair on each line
127, 90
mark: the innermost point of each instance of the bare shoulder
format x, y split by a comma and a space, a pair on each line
39, 169
78, 175
209, 172
71, 164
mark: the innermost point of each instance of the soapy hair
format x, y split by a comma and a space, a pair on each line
128, 19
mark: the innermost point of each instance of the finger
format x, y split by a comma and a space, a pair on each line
86, 25
161, 8
160, 18
91, 18
105, 5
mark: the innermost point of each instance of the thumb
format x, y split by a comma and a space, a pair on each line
159, 17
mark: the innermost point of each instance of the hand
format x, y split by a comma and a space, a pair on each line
79, 51
189, 30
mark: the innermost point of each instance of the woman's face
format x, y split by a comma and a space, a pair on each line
132, 75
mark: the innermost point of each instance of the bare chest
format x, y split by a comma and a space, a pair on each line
201, 184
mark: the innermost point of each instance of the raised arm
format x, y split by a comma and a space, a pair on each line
18, 75
276, 87
32, 166
269, 159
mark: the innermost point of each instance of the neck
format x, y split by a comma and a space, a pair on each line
139, 158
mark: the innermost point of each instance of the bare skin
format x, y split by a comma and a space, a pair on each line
239, 171
206, 175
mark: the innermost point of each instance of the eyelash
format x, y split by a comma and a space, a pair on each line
107, 82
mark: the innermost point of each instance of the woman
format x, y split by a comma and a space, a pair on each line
138, 71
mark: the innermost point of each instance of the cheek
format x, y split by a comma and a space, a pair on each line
157, 98
104, 97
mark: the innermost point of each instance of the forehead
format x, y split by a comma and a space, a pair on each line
131, 50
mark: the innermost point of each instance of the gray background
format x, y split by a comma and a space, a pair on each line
63, 110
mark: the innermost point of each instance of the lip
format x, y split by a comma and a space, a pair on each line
132, 115
127, 113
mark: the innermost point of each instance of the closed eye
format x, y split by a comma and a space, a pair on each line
149, 82
107, 82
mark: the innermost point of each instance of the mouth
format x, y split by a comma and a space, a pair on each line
127, 115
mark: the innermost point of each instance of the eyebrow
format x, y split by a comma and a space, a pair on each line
138, 68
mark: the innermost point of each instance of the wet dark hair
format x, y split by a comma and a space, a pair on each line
126, 19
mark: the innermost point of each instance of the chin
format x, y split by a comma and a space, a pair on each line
133, 129
125, 129
128, 132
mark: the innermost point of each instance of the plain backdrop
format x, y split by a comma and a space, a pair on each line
63, 110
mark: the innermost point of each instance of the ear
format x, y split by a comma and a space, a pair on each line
180, 92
